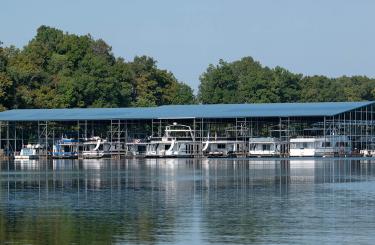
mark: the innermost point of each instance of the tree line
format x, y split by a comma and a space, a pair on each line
247, 81
62, 70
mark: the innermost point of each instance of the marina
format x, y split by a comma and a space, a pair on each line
187, 122
323, 129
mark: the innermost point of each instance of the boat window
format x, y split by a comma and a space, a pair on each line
101, 147
266, 147
141, 148
166, 147
27, 152
326, 144
221, 146
252, 147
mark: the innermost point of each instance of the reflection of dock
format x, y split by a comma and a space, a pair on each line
207, 173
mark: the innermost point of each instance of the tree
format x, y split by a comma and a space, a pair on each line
6, 83
62, 70
218, 84
247, 81
153, 87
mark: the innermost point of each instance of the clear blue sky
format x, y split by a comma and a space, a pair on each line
329, 37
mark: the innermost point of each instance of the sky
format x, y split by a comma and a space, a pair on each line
325, 37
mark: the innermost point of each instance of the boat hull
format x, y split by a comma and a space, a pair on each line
95, 155
32, 157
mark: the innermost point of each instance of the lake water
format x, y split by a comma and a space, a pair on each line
188, 201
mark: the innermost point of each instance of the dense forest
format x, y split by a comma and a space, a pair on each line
62, 70
247, 81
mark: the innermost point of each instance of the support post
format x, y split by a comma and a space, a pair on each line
46, 142
8, 143
15, 137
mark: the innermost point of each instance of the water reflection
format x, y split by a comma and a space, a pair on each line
160, 201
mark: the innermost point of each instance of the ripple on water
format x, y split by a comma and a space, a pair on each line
186, 201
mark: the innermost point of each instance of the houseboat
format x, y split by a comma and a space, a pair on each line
266, 147
178, 141
30, 151
367, 153
136, 148
332, 145
96, 147
230, 144
222, 148
65, 148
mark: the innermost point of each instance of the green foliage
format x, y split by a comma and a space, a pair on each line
6, 84
247, 81
61, 70
184, 95
219, 84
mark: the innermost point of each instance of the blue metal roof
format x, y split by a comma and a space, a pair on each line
184, 111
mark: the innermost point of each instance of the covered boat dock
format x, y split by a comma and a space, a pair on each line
236, 122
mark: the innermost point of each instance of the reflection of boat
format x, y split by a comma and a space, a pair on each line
27, 164
178, 141
93, 164
65, 148
265, 147
30, 151
304, 163
65, 164
96, 147
333, 145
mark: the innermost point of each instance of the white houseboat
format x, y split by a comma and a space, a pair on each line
332, 145
136, 148
178, 141
96, 147
265, 147
30, 151
223, 148
231, 144
367, 153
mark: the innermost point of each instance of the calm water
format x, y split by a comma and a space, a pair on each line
186, 201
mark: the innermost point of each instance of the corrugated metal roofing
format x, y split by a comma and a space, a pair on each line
184, 111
